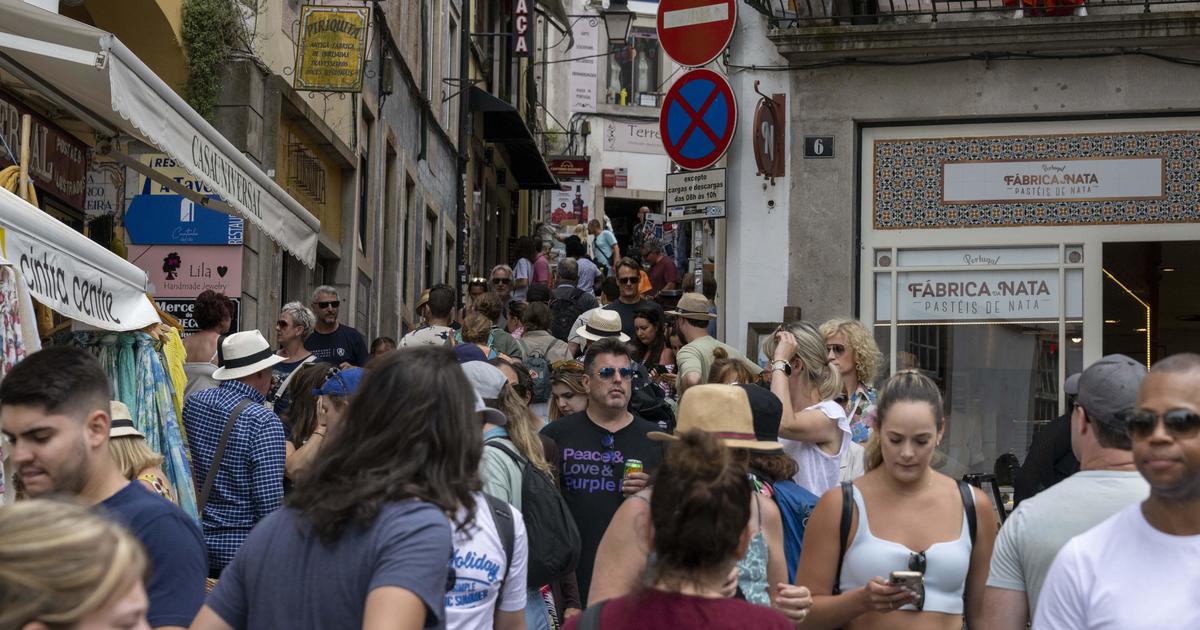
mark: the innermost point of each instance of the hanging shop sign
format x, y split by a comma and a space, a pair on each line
57, 160
633, 137
695, 195
978, 295
105, 189
770, 118
522, 28
332, 49
184, 309
694, 32
188, 270
570, 166
175, 220
698, 118
1020, 181
582, 85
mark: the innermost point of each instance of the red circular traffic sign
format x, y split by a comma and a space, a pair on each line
698, 118
694, 32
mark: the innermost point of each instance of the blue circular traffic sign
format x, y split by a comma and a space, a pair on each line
698, 118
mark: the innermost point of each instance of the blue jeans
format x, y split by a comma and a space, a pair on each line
536, 616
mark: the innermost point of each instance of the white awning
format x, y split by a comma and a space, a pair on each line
69, 273
91, 74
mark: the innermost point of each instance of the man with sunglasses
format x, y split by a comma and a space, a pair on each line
629, 302
595, 444
1106, 483
1141, 567
331, 342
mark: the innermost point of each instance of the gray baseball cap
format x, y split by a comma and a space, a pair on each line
1072, 385
1110, 386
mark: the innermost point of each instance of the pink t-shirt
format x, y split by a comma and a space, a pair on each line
541, 270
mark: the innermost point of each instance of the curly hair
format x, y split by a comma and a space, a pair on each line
867, 357
211, 309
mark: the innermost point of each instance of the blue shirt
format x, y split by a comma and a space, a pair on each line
285, 577
175, 548
249, 484
603, 245
343, 345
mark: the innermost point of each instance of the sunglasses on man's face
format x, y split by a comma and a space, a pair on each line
329, 304
501, 281
282, 324
1179, 423
836, 348
633, 280
607, 373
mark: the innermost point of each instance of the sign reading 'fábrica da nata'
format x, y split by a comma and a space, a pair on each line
331, 49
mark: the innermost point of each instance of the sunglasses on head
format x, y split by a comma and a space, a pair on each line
332, 373
333, 303
607, 373
1179, 423
567, 365
836, 348
629, 280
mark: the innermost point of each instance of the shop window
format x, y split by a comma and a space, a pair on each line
633, 70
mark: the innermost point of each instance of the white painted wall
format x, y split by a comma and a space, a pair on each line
755, 260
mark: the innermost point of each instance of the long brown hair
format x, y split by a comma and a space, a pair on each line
410, 432
903, 386
701, 507
725, 369
301, 414
570, 374
523, 426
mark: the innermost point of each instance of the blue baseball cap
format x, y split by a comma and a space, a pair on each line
468, 352
341, 382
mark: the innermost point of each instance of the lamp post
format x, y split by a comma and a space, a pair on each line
617, 20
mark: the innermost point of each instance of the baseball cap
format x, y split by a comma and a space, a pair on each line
339, 382
488, 381
1109, 387
1072, 385
767, 411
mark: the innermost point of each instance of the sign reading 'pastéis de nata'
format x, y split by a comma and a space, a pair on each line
978, 295
1052, 180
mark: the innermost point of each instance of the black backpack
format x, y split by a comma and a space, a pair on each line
647, 399
566, 311
553, 537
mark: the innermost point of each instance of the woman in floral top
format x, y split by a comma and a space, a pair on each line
853, 351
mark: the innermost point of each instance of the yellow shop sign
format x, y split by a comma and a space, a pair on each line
331, 50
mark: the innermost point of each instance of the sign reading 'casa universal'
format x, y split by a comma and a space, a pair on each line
331, 50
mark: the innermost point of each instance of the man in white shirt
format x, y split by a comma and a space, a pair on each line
1141, 567
1106, 483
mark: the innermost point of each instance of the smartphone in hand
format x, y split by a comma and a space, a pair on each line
914, 581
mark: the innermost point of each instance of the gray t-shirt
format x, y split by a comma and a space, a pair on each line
284, 577
1041, 525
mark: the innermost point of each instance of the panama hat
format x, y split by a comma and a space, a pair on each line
122, 421
692, 306
602, 323
423, 300
722, 410
242, 354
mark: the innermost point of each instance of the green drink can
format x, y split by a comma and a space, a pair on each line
633, 466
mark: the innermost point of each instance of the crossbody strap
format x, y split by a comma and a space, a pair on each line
968, 501
843, 532
503, 516
216, 462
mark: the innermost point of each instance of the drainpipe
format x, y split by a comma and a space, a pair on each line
464, 144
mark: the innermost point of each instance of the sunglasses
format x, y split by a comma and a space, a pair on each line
607, 373
916, 562
281, 324
629, 280
1179, 423
333, 303
836, 348
501, 281
334, 372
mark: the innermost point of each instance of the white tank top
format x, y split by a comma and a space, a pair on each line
946, 563
818, 471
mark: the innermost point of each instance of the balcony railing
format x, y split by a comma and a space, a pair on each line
816, 13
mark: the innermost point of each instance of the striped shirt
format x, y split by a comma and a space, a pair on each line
249, 483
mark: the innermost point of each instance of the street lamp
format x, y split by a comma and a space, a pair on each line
617, 20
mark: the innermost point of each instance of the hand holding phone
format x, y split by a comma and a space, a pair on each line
912, 581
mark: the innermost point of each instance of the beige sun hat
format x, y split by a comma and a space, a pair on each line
602, 323
692, 306
242, 354
122, 421
722, 410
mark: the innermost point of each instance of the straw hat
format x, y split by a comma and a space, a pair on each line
692, 306
602, 323
242, 354
724, 411
423, 300
122, 421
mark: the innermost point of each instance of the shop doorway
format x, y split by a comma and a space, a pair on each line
623, 214
1151, 299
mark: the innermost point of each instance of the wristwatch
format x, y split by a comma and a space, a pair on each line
780, 364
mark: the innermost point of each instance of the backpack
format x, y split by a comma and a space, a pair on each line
553, 537
539, 372
796, 506
647, 399
566, 311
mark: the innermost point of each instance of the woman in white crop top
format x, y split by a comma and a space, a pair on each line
905, 517
815, 431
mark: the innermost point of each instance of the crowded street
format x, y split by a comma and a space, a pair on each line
599, 314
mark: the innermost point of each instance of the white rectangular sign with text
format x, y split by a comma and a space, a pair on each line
1052, 180
695, 195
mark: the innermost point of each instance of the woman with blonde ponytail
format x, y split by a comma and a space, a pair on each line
815, 431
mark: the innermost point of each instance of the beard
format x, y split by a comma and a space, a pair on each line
71, 476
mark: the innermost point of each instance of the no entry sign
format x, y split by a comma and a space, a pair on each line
699, 115
694, 32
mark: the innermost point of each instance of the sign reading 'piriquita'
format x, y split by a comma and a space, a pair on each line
331, 49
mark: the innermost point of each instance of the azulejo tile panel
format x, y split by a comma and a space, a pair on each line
909, 180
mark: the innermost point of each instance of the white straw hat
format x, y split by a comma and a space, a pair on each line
242, 354
602, 323
122, 421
